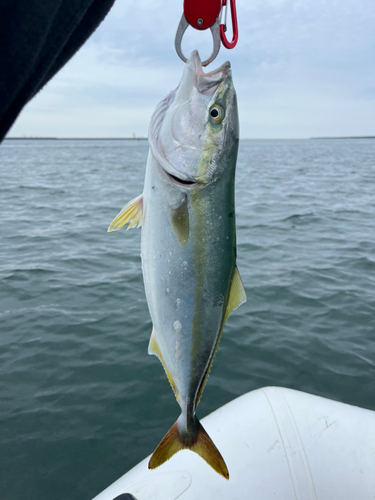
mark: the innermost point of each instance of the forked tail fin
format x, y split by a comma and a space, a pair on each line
202, 444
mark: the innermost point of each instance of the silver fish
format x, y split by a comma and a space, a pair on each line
188, 244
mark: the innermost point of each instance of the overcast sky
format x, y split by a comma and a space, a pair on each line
302, 68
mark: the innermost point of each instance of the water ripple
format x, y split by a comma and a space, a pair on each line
82, 402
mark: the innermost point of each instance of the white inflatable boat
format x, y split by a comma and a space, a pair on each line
278, 444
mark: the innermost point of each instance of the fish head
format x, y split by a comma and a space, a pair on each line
195, 128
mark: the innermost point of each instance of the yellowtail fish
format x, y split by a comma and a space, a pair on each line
188, 244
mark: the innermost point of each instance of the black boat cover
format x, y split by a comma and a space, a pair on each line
37, 37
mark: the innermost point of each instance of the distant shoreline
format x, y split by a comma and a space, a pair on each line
349, 137
76, 138
145, 138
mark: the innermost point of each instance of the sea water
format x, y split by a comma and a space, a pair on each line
81, 402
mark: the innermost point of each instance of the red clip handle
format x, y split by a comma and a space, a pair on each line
202, 14
223, 27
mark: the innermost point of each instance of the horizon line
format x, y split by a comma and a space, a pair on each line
146, 138
77, 138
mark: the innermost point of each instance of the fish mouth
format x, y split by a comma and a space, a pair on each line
207, 83
183, 182
167, 146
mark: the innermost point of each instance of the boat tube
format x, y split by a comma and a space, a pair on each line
278, 444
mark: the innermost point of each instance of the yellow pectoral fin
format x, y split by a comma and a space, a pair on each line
132, 213
180, 223
237, 295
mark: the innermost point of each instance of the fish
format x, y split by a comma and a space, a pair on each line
188, 242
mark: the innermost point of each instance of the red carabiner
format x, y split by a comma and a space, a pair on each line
223, 27
202, 15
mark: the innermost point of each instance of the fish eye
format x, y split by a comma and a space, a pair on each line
216, 114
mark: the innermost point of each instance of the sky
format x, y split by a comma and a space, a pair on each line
301, 68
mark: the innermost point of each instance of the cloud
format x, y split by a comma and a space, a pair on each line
301, 68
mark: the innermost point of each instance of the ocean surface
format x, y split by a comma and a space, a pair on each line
81, 402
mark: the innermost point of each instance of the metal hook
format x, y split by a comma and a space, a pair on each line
223, 27
215, 30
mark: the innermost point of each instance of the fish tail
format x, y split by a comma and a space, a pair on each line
197, 440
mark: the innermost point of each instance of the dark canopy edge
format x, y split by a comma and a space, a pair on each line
36, 40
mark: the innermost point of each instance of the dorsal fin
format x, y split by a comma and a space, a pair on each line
132, 213
237, 295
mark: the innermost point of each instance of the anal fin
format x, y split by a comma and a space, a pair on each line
154, 349
131, 214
